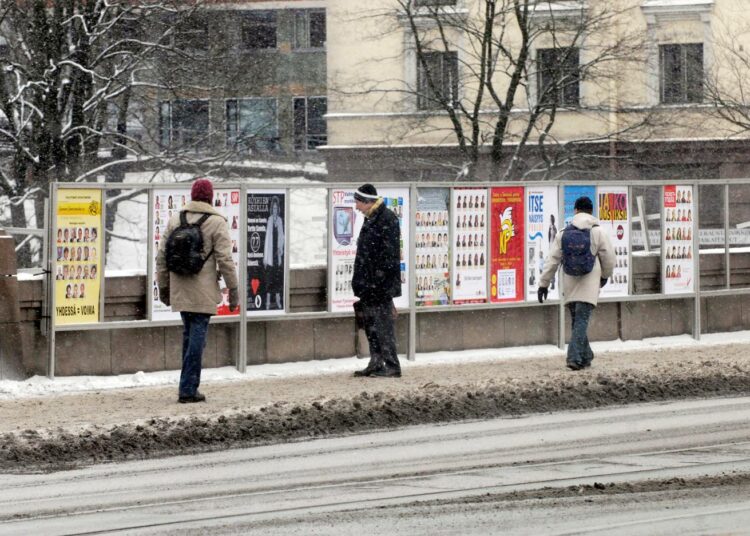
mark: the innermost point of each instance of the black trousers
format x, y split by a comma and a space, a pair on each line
381, 335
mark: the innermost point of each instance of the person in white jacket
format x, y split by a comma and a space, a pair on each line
581, 293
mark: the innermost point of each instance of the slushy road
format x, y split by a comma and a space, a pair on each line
441, 479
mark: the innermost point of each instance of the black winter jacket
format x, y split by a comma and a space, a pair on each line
377, 266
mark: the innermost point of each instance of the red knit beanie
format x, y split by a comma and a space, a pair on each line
202, 190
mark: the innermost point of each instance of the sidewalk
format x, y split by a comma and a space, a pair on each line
84, 402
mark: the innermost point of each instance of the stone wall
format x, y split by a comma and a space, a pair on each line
120, 351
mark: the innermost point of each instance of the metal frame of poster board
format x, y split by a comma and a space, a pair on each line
244, 320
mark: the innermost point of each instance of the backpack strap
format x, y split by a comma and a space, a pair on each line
183, 217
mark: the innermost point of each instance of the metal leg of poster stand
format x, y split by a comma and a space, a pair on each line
695, 224
51, 286
241, 361
412, 274
560, 283
727, 257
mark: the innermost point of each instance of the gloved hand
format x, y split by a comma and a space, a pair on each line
541, 294
164, 295
603, 281
234, 299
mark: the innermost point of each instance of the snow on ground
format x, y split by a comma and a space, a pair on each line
40, 385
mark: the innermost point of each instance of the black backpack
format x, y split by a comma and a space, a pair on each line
184, 248
577, 258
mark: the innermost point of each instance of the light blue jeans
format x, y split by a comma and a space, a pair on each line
579, 349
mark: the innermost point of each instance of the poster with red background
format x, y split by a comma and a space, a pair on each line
507, 239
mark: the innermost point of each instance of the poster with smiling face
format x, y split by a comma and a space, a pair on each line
614, 218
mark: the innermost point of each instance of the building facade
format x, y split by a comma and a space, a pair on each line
628, 89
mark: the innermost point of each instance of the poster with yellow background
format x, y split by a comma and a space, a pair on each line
79, 252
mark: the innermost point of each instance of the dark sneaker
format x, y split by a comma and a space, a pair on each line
197, 397
387, 373
572, 365
367, 371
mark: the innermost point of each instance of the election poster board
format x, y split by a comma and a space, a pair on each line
573, 192
677, 239
432, 247
542, 220
266, 254
469, 236
168, 203
614, 218
507, 250
346, 224
78, 269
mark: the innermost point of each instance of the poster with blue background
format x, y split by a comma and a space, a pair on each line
572, 193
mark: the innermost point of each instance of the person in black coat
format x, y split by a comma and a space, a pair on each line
377, 280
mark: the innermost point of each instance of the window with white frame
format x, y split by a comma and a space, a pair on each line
558, 76
252, 124
310, 29
681, 73
259, 30
310, 130
183, 123
437, 80
434, 3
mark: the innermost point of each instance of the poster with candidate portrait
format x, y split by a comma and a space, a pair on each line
677, 239
266, 240
614, 217
78, 262
432, 247
507, 244
542, 221
346, 223
469, 237
168, 203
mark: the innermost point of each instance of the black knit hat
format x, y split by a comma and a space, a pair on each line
366, 193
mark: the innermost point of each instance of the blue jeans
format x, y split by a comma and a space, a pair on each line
193, 343
579, 350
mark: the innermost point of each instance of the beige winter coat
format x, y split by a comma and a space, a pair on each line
583, 288
199, 293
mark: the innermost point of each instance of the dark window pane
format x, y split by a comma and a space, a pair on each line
259, 30
681, 73
437, 80
558, 77
317, 107
434, 3
252, 124
189, 122
192, 34
694, 72
300, 123
317, 29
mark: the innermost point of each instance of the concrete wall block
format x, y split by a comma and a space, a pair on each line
439, 331
530, 326
173, 347
256, 343
334, 338
603, 325
7, 255
226, 344
83, 353
724, 314
683, 314
290, 341
484, 329
137, 349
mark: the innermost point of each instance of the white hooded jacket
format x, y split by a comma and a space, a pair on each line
583, 288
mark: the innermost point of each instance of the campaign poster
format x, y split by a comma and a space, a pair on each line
469, 238
507, 239
542, 220
573, 192
266, 239
432, 247
168, 203
79, 256
614, 218
678, 229
346, 224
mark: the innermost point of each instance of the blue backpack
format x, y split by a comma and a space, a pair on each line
577, 258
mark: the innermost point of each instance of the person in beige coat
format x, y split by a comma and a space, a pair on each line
196, 296
581, 293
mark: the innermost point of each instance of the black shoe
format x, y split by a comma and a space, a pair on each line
197, 397
574, 366
387, 373
367, 371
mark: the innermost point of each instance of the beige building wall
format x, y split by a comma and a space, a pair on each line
372, 71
